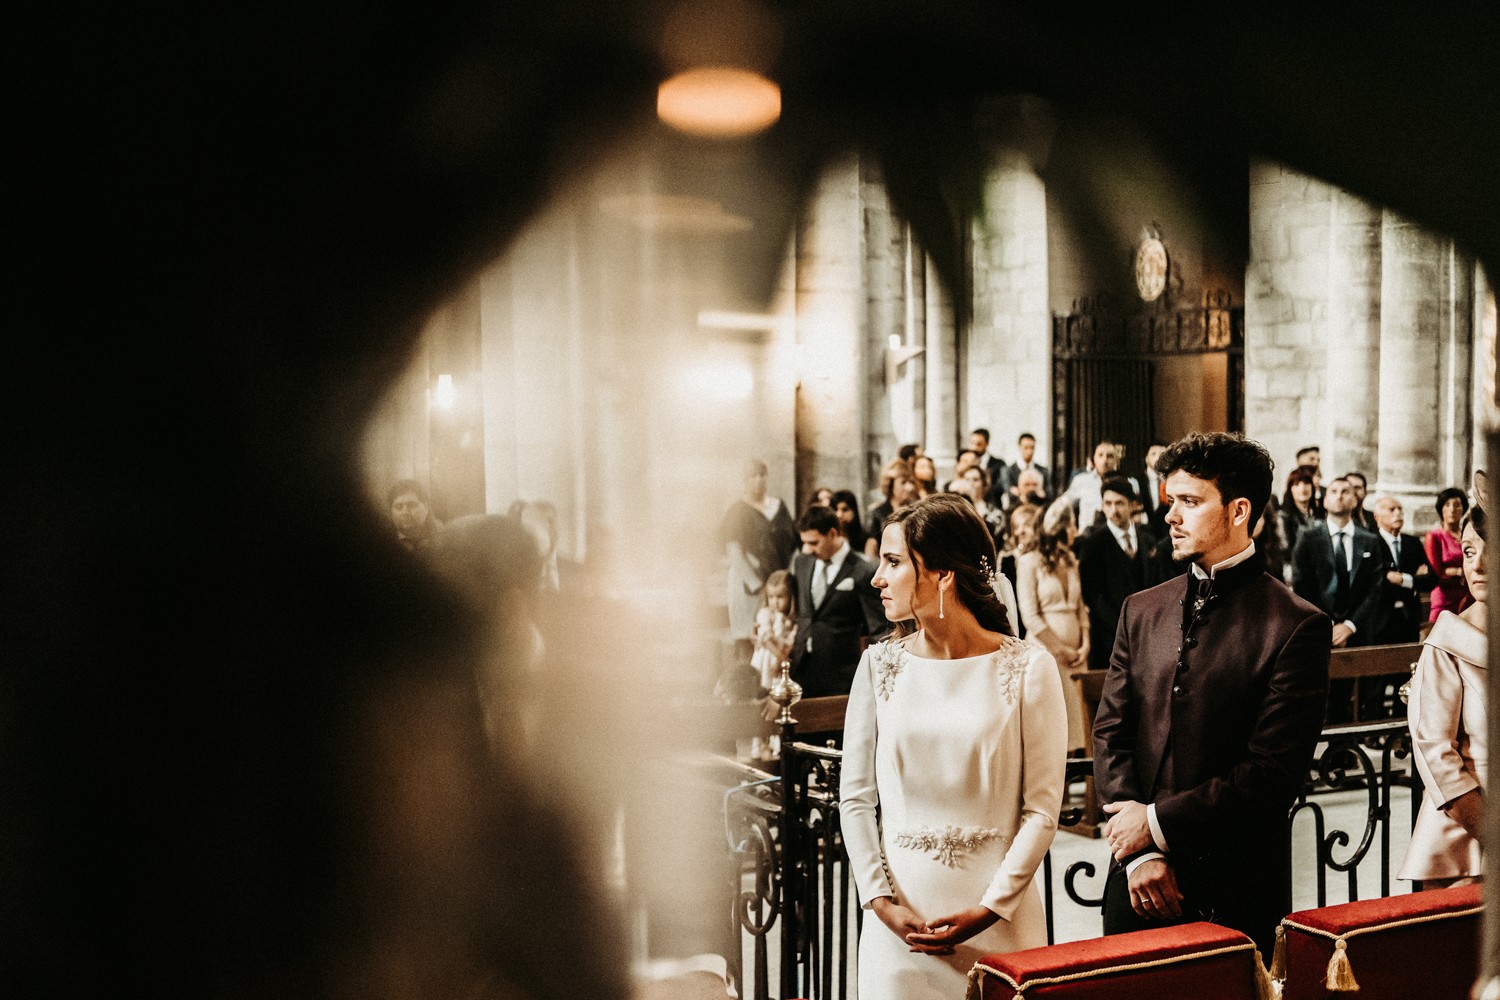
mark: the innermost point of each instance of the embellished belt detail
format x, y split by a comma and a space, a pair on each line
947, 843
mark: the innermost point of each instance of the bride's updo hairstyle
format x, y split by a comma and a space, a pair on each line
943, 533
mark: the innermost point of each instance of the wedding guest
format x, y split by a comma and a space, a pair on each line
925, 471
1445, 554
975, 485
846, 508
1051, 598
900, 489
1449, 726
1298, 509
411, 515
759, 538
967, 459
820, 497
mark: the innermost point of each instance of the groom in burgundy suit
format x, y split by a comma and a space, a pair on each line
1210, 712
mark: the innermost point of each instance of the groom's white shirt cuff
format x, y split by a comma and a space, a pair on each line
1157, 836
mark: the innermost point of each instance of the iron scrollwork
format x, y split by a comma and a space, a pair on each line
1348, 762
794, 875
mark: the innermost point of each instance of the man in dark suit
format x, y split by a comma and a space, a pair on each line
1338, 566
837, 606
1408, 575
1029, 489
1398, 613
1006, 489
994, 466
1361, 485
1210, 711
1153, 507
1114, 561
1347, 587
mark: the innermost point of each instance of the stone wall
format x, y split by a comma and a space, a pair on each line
831, 333
1358, 333
1006, 376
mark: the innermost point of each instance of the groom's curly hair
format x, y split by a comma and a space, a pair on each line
1238, 466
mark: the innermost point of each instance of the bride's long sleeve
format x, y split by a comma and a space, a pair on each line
858, 797
1044, 751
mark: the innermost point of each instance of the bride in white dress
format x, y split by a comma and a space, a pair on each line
954, 749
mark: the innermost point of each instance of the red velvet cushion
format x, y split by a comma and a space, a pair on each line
1434, 959
1229, 976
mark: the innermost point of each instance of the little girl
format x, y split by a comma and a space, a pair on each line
775, 624
775, 627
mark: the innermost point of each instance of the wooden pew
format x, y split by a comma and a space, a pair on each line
813, 715
1088, 687
1371, 661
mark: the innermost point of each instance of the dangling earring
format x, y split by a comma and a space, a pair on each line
940, 601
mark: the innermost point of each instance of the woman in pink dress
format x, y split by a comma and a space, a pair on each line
1445, 553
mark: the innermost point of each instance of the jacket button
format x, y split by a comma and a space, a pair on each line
1179, 650
1177, 689
1190, 642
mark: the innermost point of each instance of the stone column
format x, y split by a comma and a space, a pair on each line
1418, 334
1484, 404
1457, 437
909, 401
885, 263
941, 372
1312, 320
1007, 383
1352, 334
830, 325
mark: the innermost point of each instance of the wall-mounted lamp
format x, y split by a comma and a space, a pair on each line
444, 394
724, 319
898, 354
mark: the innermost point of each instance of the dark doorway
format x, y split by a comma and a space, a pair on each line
1136, 376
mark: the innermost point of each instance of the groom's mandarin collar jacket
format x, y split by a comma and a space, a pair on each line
1213, 717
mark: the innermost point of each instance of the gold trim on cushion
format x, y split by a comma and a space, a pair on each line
1340, 977
976, 974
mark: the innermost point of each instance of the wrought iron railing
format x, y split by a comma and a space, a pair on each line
795, 890
1361, 756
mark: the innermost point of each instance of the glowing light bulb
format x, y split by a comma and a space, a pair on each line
718, 102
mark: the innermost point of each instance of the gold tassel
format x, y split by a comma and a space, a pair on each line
975, 990
1265, 987
1340, 972
1278, 955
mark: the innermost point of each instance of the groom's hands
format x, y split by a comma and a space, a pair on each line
1128, 831
1153, 891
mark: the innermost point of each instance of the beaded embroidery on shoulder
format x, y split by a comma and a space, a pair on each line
887, 659
1010, 664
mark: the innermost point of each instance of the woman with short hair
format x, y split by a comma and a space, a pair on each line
1445, 553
